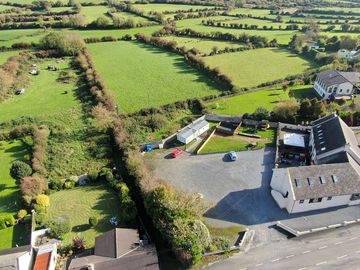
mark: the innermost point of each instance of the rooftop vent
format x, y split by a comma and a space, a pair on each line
298, 182
311, 181
323, 148
322, 180
334, 178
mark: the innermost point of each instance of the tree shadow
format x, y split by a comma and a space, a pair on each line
21, 234
81, 228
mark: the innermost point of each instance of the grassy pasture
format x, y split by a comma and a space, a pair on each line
91, 13
146, 76
8, 37
203, 45
247, 11
136, 18
5, 55
9, 191
166, 7
79, 204
248, 102
251, 68
44, 96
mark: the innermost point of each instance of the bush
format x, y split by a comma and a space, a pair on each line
58, 228
78, 244
40, 218
69, 184
43, 200
222, 243
2, 225
9, 220
93, 221
20, 169
32, 186
21, 213
127, 206
64, 42
57, 184
93, 176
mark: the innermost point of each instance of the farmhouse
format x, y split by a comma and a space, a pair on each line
192, 131
118, 249
326, 168
346, 54
333, 84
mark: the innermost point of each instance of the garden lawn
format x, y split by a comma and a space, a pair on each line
220, 144
10, 196
44, 95
253, 67
203, 45
80, 203
17, 235
146, 76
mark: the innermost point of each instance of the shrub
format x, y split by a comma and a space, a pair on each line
40, 218
2, 225
9, 220
64, 42
78, 244
43, 200
32, 185
21, 213
57, 184
20, 169
59, 227
222, 243
109, 177
127, 205
69, 184
93, 176
93, 221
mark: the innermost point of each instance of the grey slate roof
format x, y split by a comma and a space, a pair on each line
348, 181
192, 128
334, 77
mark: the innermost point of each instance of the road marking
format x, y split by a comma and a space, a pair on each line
306, 251
290, 256
322, 247
320, 263
260, 264
341, 257
354, 238
275, 260
339, 243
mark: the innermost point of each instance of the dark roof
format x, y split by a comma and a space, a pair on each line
353, 77
116, 242
142, 258
338, 179
332, 77
340, 157
328, 134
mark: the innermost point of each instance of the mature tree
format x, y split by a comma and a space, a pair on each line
32, 185
345, 27
20, 169
286, 111
127, 205
66, 43
101, 22
348, 42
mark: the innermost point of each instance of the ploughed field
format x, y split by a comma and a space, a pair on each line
141, 76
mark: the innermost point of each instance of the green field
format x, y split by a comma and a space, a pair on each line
253, 67
8, 37
80, 203
5, 55
9, 190
44, 96
166, 7
117, 32
247, 11
203, 45
136, 18
91, 13
146, 76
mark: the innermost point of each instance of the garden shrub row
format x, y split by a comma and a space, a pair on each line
6, 221
38, 150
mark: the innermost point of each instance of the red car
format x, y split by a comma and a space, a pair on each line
176, 152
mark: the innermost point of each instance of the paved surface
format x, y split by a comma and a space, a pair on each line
330, 250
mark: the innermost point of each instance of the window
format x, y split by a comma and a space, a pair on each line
340, 91
335, 88
319, 200
348, 90
355, 197
329, 198
311, 201
301, 201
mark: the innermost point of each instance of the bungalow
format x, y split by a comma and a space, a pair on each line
333, 84
346, 54
333, 177
192, 131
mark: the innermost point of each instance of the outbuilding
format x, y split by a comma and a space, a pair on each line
192, 131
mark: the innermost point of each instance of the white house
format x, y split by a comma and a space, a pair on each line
335, 84
332, 180
192, 131
346, 54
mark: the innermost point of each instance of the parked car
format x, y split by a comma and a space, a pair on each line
232, 155
176, 152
